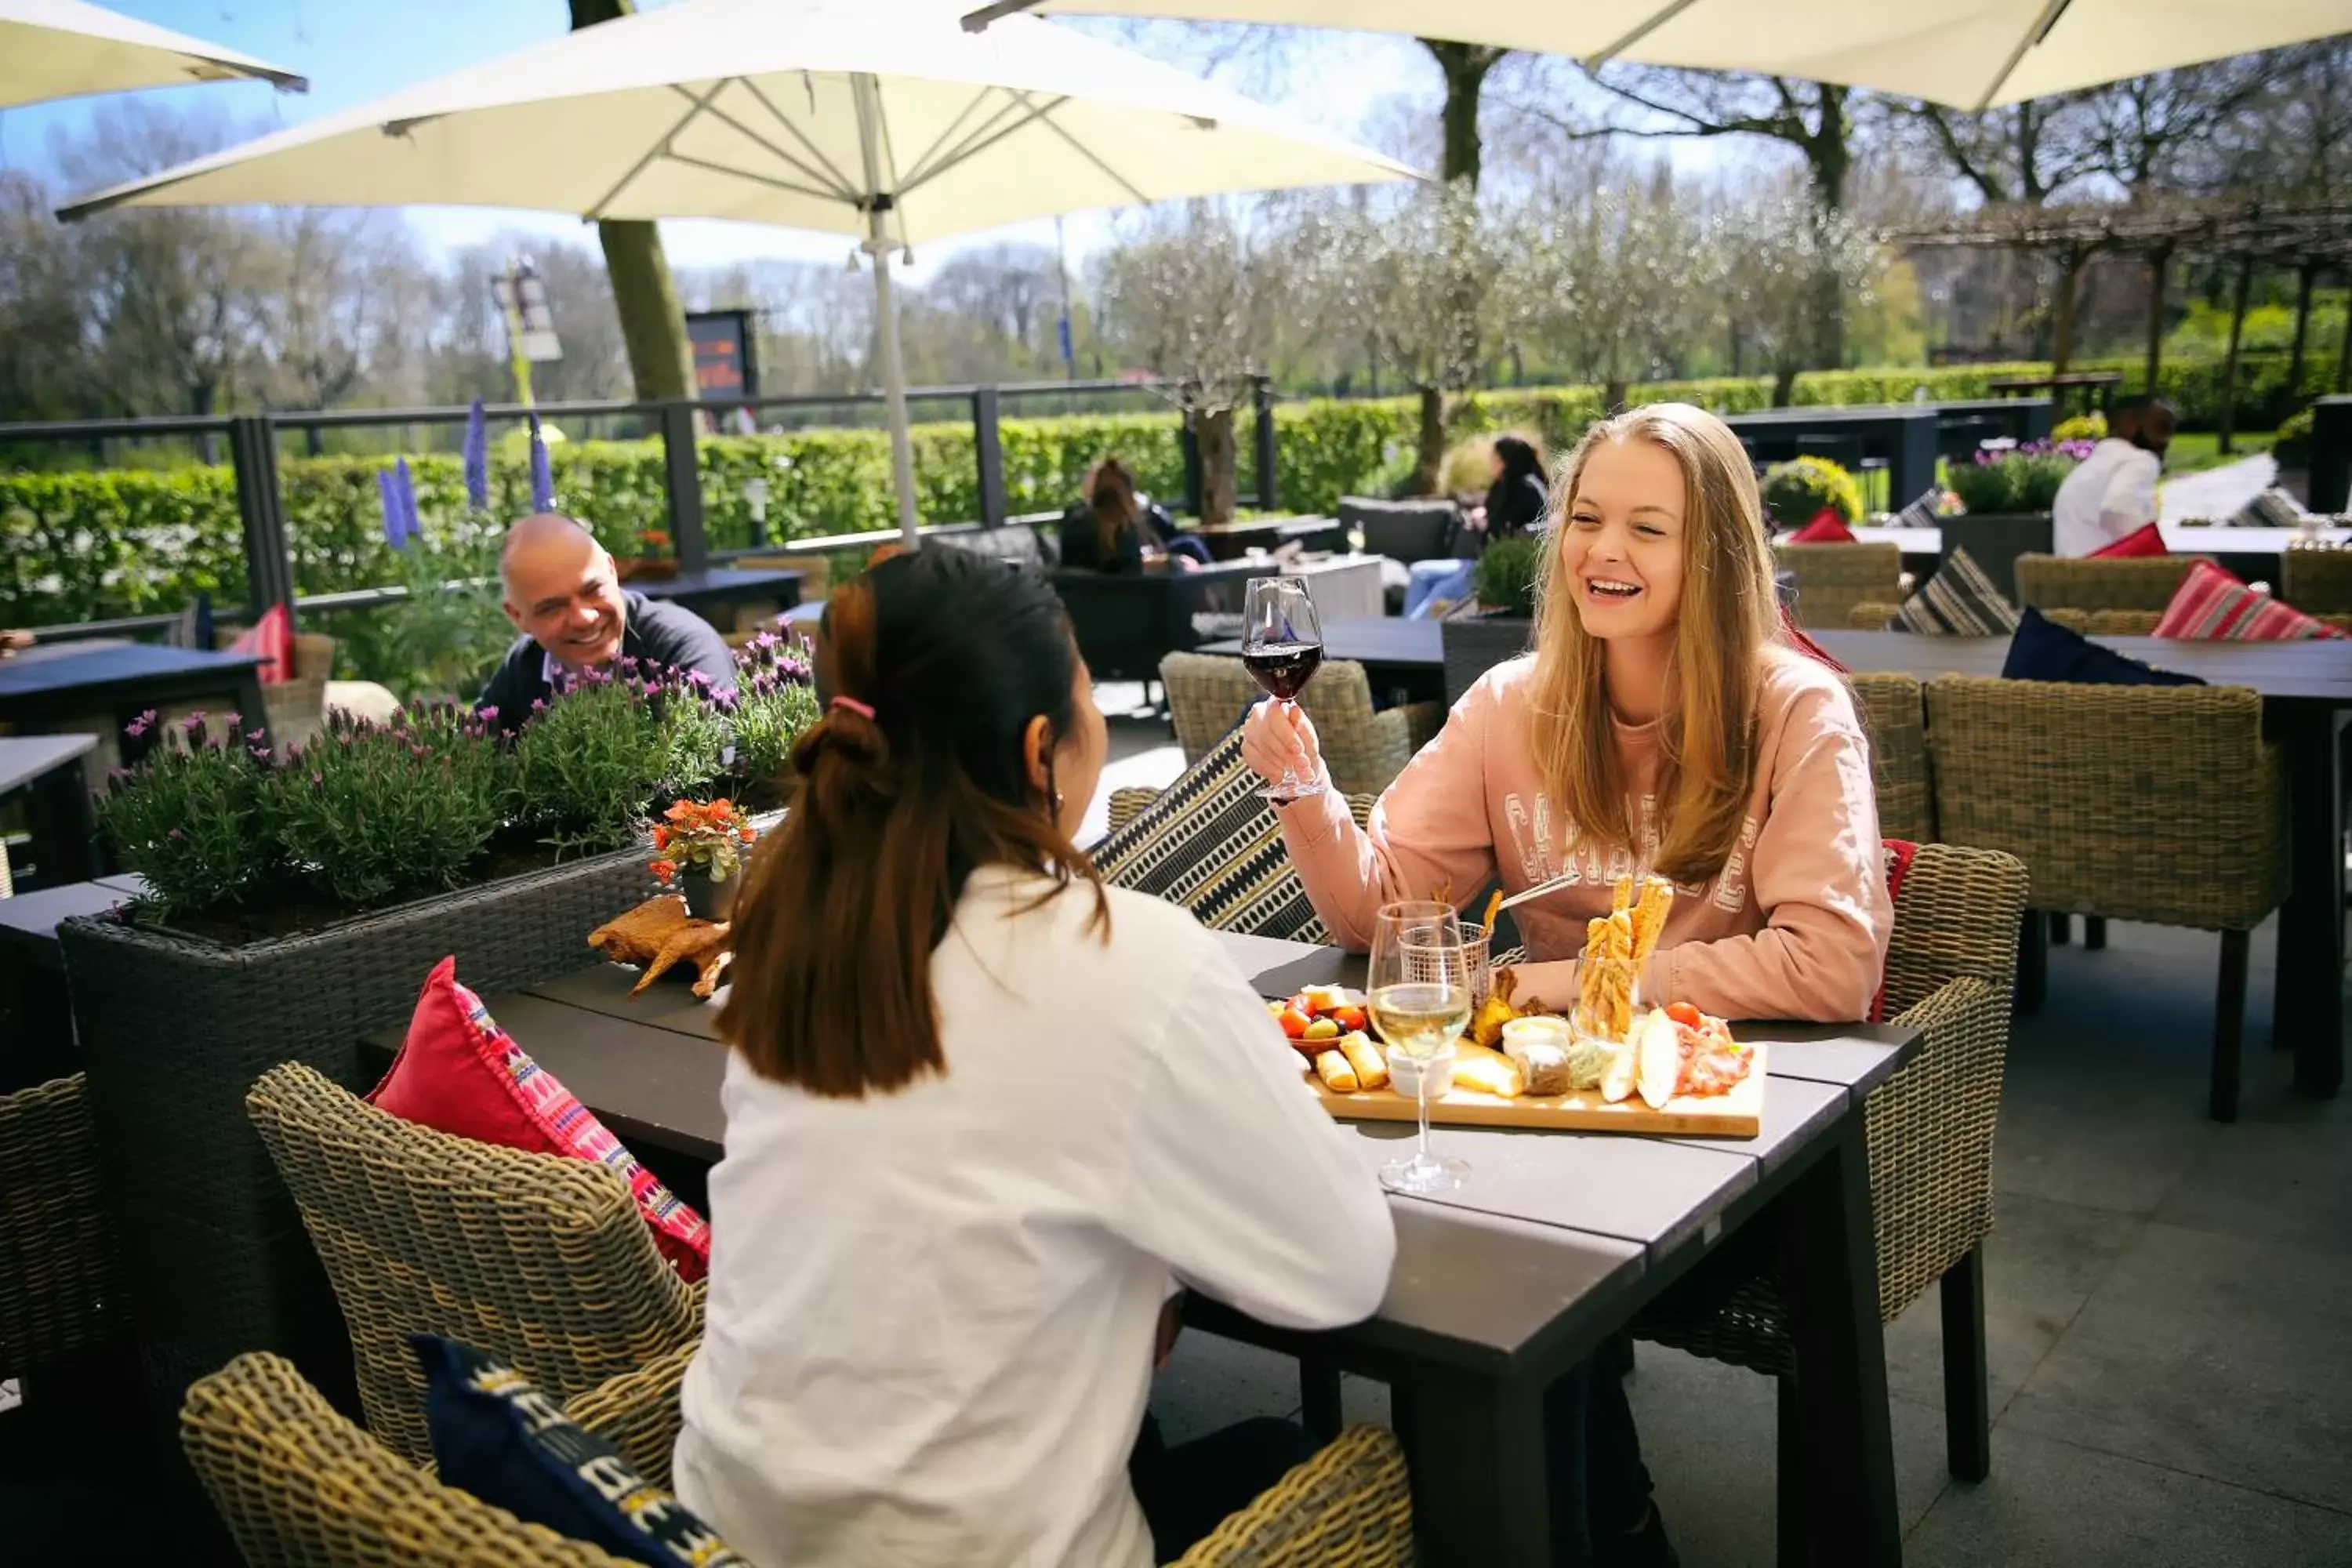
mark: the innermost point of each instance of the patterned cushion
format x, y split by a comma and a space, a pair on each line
2214, 606
1210, 844
459, 1073
2144, 539
1923, 512
1959, 600
2274, 507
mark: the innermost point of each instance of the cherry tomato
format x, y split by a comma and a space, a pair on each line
1349, 1017
1685, 1014
1292, 1022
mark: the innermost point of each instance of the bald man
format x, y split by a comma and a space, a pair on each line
564, 597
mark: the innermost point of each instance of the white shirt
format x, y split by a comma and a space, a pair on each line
930, 1332
2110, 493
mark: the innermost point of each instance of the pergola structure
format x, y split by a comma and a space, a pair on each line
2311, 238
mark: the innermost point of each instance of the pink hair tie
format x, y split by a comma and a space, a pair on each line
863, 711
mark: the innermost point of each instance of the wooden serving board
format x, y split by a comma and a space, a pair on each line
1740, 1114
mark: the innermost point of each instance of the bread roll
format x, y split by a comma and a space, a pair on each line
1337, 1077
1371, 1068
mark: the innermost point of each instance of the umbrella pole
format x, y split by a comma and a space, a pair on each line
866, 92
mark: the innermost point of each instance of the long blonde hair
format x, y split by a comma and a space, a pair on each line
1728, 622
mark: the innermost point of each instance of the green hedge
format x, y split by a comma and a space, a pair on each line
87, 546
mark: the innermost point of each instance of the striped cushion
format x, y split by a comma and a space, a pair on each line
2274, 507
1959, 600
1923, 512
2214, 606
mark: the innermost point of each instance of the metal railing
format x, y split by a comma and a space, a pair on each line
253, 452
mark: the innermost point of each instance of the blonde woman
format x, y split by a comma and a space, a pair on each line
1661, 726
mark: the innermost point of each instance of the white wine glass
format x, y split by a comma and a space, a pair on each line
1422, 994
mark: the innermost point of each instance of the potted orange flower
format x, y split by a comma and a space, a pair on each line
701, 845
653, 556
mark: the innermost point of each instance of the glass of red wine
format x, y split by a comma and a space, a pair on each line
1282, 645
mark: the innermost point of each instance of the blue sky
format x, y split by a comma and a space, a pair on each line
353, 51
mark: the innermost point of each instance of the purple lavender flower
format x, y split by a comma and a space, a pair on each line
394, 520
411, 526
477, 458
543, 482
193, 725
489, 715
140, 725
177, 836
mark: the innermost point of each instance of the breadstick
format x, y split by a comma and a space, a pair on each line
1621, 936
1494, 909
1650, 917
1620, 895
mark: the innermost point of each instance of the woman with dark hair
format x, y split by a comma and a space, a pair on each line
1111, 528
983, 1115
1517, 500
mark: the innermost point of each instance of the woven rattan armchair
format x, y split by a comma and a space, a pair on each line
2126, 583
1871, 616
1832, 579
1930, 1132
1474, 645
2317, 581
1894, 716
1364, 749
2140, 803
542, 1260
60, 1287
300, 1486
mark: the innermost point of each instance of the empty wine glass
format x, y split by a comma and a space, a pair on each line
1281, 647
1422, 994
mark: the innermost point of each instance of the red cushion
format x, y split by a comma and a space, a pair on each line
1827, 528
2144, 539
1900, 853
458, 1072
271, 637
2211, 606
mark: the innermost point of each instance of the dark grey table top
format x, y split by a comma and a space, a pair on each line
714, 581
1385, 639
24, 758
2317, 670
106, 663
28, 922
1834, 414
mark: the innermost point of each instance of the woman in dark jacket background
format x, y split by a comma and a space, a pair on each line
1517, 499
1112, 529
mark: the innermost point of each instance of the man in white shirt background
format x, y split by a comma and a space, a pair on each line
2113, 492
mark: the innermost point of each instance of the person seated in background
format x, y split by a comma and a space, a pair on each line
1110, 528
1516, 503
564, 596
978, 1134
2112, 492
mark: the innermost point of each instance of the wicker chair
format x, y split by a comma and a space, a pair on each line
60, 1290
1871, 616
2317, 581
542, 1260
1930, 1132
1475, 644
2127, 582
2141, 802
300, 1486
1834, 578
1365, 750
1894, 717
297, 708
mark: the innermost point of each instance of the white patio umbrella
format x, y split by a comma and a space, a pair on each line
1971, 54
63, 49
879, 118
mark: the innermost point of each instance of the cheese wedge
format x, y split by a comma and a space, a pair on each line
1657, 1047
1485, 1070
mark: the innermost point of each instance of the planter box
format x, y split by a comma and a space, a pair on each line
1475, 644
1995, 541
174, 1029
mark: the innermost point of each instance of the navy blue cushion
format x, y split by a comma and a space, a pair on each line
2044, 650
498, 1437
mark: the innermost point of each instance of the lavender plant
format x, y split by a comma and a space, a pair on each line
374, 812
191, 818
592, 764
775, 702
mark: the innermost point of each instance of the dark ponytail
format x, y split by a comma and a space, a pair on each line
931, 667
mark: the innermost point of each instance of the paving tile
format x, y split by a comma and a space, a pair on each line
1211, 1382
2283, 1173
1709, 1436
2041, 1263
2219, 1356
2050, 1503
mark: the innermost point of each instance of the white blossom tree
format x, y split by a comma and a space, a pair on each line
1785, 267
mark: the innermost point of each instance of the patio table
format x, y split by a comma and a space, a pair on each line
51, 682
2307, 691
716, 586
48, 770
1907, 432
1554, 1244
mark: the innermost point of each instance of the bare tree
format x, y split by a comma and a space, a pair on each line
1197, 299
1605, 284
1419, 281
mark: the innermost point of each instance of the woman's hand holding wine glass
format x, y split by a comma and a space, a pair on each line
1281, 647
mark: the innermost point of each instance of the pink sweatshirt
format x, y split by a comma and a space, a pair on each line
1795, 926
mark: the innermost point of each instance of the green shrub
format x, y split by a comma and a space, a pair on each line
1505, 577
372, 812
2022, 479
2091, 426
593, 762
775, 702
1796, 492
2292, 446
192, 818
